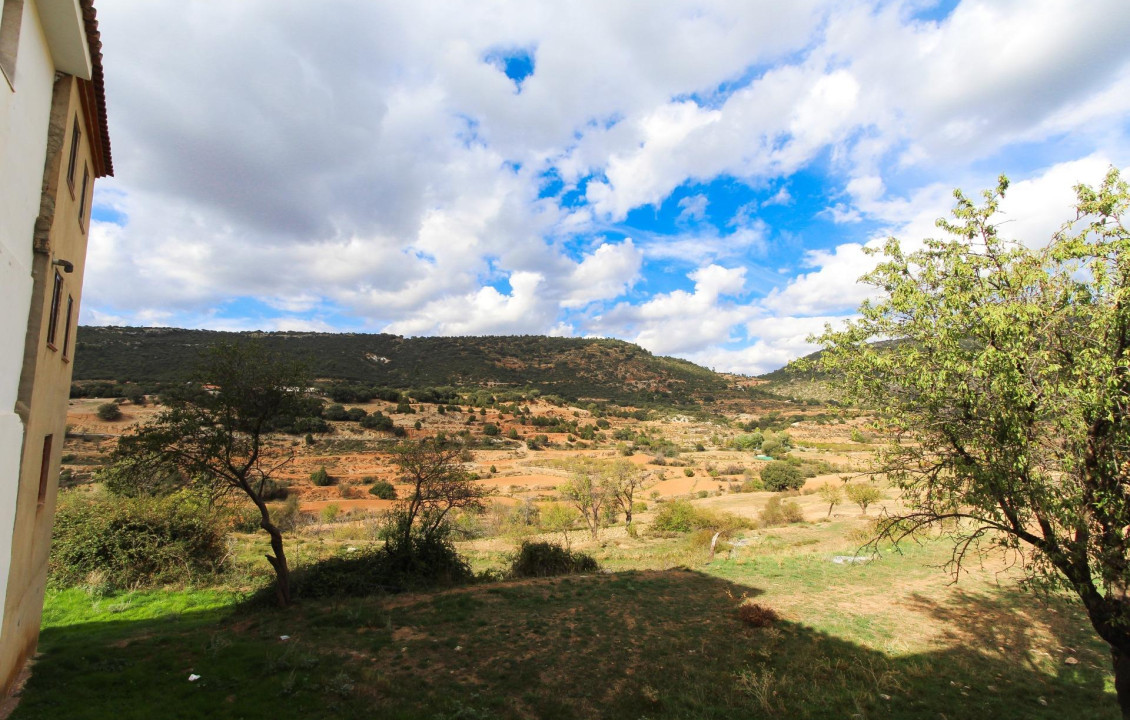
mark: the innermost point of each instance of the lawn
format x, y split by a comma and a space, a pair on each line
886, 639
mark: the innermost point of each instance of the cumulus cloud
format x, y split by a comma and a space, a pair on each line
375, 167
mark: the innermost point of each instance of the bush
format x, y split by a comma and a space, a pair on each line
751, 485
543, 559
286, 518
780, 475
109, 412
335, 412
780, 512
377, 421
425, 562
681, 517
320, 477
274, 490
757, 616
330, 513
689, 472
135, 542
490, 429
383, 489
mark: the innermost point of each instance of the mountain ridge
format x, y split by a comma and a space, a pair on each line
572, 368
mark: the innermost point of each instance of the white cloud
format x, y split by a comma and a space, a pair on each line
605, 274
372, 163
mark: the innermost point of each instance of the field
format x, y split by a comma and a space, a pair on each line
655, 634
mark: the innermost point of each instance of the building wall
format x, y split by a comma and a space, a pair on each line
40, 224
25, 107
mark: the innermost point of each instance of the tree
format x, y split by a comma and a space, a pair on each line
219, 438
557, 517
832, 495
622, 479
780, 475
437, 482
586, 492
862, 494
1007, 369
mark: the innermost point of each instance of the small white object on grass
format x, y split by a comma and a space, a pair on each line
284, 638
849, 559
193, 677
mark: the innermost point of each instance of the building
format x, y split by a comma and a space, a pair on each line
54, 142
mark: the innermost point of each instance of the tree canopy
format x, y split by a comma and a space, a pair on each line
215, 433
1003, 372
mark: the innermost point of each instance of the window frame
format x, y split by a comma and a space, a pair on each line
67, 328
11, 18
82, 203
72, 161
45, 469
56, 301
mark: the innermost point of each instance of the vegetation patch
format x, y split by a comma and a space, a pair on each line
135, 542
543, 559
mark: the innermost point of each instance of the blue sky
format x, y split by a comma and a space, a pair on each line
700, 178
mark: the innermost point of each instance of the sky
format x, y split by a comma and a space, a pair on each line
700, 178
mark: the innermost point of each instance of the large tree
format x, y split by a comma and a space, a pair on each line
1003, 370
215, 432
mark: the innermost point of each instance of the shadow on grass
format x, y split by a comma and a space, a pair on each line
664, 644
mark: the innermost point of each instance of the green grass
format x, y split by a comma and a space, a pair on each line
889, 639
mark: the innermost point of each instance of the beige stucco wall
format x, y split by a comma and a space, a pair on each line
25, 107
46, 375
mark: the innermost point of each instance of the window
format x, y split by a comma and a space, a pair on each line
10, 18
72, 163
82, 199
56, 300
45, 468
67, 328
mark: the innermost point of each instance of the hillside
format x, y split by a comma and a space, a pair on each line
793, 382
573, 368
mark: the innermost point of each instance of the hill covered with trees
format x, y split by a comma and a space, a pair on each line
572, 368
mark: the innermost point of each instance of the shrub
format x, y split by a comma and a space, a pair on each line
682, 517
639, 506
335, 412
285, 518
424, 562
750, 441
757, 616
135, 542
780, 512
320, 477
779, 475
330, 513
109, 412
490, 429
377, 421
689, 472
383, 489
543, 559
274, 490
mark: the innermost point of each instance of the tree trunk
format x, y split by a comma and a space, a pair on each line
278, 560
1121, 660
